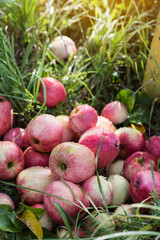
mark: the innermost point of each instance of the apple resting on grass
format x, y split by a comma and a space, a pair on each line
115, 111
37, 178
17, 135
72, 161
109, 147
121, 192
152, 145
105, 123
6, 199
69, 202
68, 135
141, 185
62, 233
34, 158
131, 140
136, 162
62, 47
55, 92
44, 132
122, 214
7, 117
92, 188
46, 221
11, 160
82, 118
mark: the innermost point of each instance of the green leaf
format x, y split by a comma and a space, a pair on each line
126, 96
144, 99
140, 115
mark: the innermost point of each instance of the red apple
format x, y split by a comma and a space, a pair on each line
152, 146
44, 132
136, 162
141, 185
63, 47
82, 118
6, 113
36, 178
92, 188
11, 160
17, 135
109, 147
72, 161
68, 135
69, 202
105, 123
34, 158
121, 192
131, 140
115, 111
6, 199
46, 221
55, 92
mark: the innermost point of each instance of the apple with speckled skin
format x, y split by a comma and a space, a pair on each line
109, 147
17, 135
82, 118
152, 146
44, 132
136, 162
7, 116
72, 161
131, 140
62, 190
68, 135
46, 221
11, 160
105, 123
6, 199
92, 188
34, 158
55, 92
141, 185
115, 111
37, 178
63, 47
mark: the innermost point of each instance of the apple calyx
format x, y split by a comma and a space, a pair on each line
140, 160
63, 166
36, 141
10, 165
137, 183
1, 99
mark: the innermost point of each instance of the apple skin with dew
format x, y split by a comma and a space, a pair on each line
115, 111
62, 47
55, 92
91, 187
7, 116
34, 158
62, 190
152, 146
121, 192
6, 199
44, 132
11, 160
136, 162
82, 118
72, 161
46, 221
17, 135
68, 135
109, 148
37, 178
105, 123
141, 185
131, 140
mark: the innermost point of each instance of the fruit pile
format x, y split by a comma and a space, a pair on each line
78, 163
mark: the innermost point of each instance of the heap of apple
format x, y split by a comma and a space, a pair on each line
59, 156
